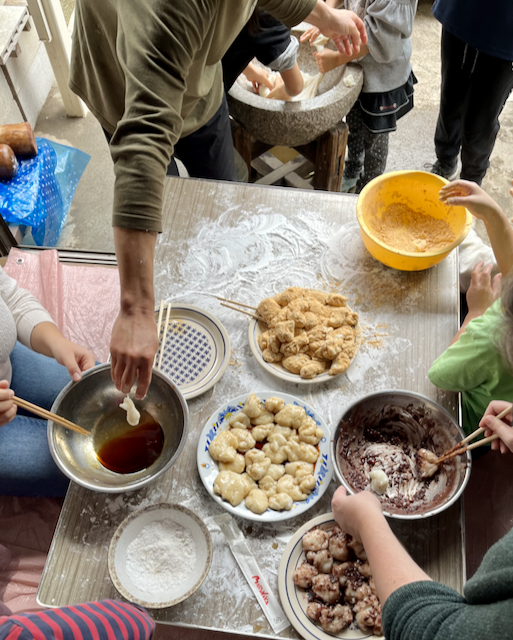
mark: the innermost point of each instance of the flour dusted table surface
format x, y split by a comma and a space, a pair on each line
245, 242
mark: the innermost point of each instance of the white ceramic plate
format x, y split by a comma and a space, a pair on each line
196, 351
130, 528
208, 468
276, 369
294, 600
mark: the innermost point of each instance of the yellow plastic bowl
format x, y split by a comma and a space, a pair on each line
418, 190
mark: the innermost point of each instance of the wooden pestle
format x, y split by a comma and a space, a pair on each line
20, 138
8, 162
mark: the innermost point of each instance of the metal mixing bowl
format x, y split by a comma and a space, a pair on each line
87, 403
448, 433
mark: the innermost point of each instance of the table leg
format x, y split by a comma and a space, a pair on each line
330, 155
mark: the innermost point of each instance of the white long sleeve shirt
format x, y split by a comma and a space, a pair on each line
20, 312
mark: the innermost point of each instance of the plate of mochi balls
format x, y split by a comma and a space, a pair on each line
265, 456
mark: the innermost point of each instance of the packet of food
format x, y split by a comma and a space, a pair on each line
246, 561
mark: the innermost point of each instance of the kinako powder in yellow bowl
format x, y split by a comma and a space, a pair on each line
404, 225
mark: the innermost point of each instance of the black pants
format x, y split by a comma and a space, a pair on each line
475, 87
208, 152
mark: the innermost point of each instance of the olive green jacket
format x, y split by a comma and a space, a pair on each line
150, 72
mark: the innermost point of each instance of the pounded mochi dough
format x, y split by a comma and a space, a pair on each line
256, 501
268, 485
299, 468
257, 464
266, 417
239, 421
231, 487
274, 404
237, 466
286, 484
245, 439
276, 471
379, 481
261, 432
274, 450
281, 502
252, 407
223, 447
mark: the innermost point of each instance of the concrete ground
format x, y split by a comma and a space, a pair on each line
88, 225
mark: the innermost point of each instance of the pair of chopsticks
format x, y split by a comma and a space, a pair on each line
460, 448
43, 413
159, 323
253, 312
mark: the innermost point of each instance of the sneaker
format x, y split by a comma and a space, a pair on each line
449, 171
348, 184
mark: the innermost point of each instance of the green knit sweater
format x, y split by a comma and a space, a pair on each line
150, 72
431, 611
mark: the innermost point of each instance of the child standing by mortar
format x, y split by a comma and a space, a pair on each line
387, 92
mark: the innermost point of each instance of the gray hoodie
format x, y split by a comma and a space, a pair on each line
389, 24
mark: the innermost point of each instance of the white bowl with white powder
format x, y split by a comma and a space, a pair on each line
160, 555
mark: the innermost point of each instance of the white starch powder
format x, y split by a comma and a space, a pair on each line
161, 556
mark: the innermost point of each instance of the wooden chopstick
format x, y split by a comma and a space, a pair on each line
253, 315
159, 322
39, 411
460, 448
240, 304
163, 343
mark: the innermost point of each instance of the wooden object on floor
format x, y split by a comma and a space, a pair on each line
327, 153
20, 138
8, 162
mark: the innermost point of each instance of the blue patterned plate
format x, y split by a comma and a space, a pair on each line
208, 468
196, 350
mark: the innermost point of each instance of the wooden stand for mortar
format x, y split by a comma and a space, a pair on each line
327, 154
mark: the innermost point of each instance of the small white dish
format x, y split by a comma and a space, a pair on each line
257, 327
208, 468
196, 351
294, 600
130, 528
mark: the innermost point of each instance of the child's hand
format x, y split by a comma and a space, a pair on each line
279, 92
257, 76
501, 427
7, 407
349, 511
483, 290
310, 34
328, 60
468, 194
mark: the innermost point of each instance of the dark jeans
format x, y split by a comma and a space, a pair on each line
475, 87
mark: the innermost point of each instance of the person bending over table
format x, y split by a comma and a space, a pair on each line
151, 74
36, 362
413, 605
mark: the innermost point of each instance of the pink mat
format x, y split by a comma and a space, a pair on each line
84, 302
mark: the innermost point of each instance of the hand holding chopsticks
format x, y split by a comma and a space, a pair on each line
48, 415
462, 447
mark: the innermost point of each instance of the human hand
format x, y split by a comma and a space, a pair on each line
347, 31
483, 290
72, 356
133, 346
468, 194
328, 59
501, 427
279, 92
257, 76
310, 34
7, 407
351, 511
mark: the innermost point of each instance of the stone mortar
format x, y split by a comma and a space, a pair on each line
292, 124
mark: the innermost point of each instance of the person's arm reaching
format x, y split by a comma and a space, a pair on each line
468, 194
134, 339
48, 340
482, 293
345, 28
360, 515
